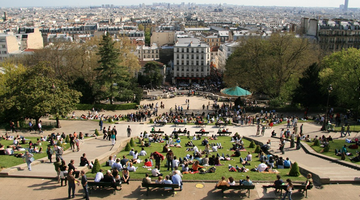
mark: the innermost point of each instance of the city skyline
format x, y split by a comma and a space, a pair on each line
280, 3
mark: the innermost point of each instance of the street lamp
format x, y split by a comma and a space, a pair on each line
327, 108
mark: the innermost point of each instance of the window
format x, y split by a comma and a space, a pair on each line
3, 46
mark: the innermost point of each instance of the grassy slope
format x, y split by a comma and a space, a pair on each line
220, 170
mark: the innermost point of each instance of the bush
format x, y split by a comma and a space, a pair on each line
327, 148
110, 120
257, 149
252, 144
67, 139
97, 132
125, 106
316, 142
128, 147
59, 144
294, 170
151, 121
96, 167
132, 143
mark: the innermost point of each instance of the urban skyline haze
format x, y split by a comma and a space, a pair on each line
81, 3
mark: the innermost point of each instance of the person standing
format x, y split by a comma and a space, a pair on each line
129, 131
84, 184
49, 153
289, 188
28, 158
263, 131
170, 158
343, 134
115, 131
40, 127
301, 129
101, 123
282, 145
347, 130
57, 166
113, 138
71, 183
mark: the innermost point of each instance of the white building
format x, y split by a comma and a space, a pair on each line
145, 53
191, 60
225, 52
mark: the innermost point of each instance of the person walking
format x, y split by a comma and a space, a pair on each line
58, 151
57, 166
289, 188
84, 184
347, 130
282, 145
343, 134
129, 131
113, 138
71, 182
49, 153
28, 158
101, 123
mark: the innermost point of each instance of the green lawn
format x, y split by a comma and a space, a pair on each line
336, 144
220, 170
355, 128
10, 160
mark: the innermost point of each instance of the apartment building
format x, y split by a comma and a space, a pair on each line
145, 53
9, 45
191, 61
333, 35
162, 38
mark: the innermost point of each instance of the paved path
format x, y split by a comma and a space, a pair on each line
40, 189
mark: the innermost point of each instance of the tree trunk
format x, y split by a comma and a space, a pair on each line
58, 122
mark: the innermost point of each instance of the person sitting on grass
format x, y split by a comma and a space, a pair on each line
262, 167
156, 172
196, 166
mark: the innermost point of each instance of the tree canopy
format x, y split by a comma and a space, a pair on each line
342, 70
269, 65
152, 75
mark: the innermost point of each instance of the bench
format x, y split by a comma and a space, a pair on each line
295, 187
179, 123
93, 185
160, 123
156, 131
224, 133
220, 124
200, 124
202, 133
182, 132
155, 185
236, 187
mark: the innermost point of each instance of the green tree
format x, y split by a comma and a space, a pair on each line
342, 70
269, 65
96, 168
128, 147
113, 79
147, 36
33, 94
132, 143
309, 91
294, 170
153, 74
141, 27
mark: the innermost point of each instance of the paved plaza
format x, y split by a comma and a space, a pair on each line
41, 186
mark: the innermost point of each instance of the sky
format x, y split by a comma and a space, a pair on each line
290, 3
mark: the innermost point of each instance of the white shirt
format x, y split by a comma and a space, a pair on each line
132, 169
135, 156
261, 167
175, 163
143, 153
214, 148
155, 172
98, 177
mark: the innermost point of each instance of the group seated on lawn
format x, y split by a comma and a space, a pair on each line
197, 155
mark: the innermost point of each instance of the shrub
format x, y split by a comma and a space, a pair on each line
59, 144
132, 143
294, 170
97, 132
110, 120
96, 167
67, 139
252, 144
151, 121
327, 148
257, 149
125, 106
128, 147
316, 142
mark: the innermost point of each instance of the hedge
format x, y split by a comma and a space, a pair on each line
126, 106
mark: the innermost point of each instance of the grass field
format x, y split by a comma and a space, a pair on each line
353, 128
220, 170
10, 160
335, 144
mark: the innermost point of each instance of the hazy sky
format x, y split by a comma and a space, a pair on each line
298, 3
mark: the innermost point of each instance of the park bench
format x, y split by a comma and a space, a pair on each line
160, 123
155, 185
224, 133
181, 132
220, 124
156, 131
180, 123
202, 133
295, 188
93, 185
200, 123
236, 187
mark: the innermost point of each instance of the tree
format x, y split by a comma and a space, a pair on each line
147, 36
113, 78
132, 143
96, 168
128, 147
141, 27
153, 74
269, 65
33, 94
309, 91
342, 70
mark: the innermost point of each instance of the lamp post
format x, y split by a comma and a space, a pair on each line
323, 128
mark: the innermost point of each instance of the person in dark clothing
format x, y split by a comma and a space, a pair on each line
108, 177
124, 161
84, 184
72, 167
83, 160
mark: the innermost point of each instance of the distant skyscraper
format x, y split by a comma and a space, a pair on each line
346, 6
